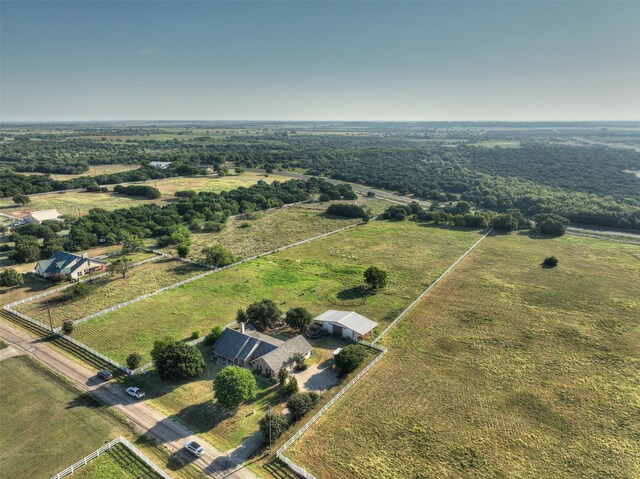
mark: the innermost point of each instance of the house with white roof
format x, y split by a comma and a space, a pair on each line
68, 265
161, 165
346, 324
40, 216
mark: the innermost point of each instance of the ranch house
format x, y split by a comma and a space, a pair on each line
259, 352
68, 265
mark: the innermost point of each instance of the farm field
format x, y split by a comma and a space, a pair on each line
44, 425
93, 170
80, 202
324, 274
272, 229
506, 369
110, 290
118, 463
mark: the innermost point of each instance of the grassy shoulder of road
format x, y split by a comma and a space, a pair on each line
505, 369
109, 290
320, 275
265, 231
80, 202
46, 420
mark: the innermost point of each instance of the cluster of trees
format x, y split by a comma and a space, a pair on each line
348, 211
138, 190
10, 278
12, 184
206, 210
265, 315
27, 245
455, 215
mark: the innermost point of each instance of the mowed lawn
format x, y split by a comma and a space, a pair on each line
44, 425
506, 369
110, 290
320, 275
192, 403
80, 202
118, 463
276, 228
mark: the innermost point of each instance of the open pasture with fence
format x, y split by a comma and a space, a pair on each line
501, 350
108, 290
320, 275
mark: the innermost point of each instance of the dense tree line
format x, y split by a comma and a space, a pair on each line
168, 222
12, 184
138, 190
534, 179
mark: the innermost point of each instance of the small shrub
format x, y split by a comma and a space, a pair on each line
195, 334
134, 360
291, 387
349, 358
68, 327
213, 336
300, 404
245, 225
550, 262
283, 375
273, 426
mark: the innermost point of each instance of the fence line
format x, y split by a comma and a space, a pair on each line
69, 285
90, 350
280, 452
107, 447
203, 275
429, 288
317, 416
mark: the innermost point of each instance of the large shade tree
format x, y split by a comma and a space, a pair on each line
233, 386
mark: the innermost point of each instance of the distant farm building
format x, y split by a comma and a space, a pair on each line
68, 265
161, 165
40, 216
262, 353
346, 324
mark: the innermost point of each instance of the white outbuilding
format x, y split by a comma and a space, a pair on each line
346, 324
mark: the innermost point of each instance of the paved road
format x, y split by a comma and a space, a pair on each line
144, 418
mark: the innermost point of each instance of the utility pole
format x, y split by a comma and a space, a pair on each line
269, 430
49, 313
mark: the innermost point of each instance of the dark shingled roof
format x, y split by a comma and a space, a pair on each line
233, 345
279, 357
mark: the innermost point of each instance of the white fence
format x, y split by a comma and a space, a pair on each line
9, 307
280, 452
119, 440
310, 422
429, 288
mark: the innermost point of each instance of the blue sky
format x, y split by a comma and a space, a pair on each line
324, 60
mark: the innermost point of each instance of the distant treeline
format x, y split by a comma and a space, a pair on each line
585, 185
12, 184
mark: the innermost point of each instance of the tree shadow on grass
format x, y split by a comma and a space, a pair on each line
83, 400
533, 234
356, 293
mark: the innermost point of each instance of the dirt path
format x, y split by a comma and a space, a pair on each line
145, 419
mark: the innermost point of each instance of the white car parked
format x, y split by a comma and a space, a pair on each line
194, 448
135, 392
